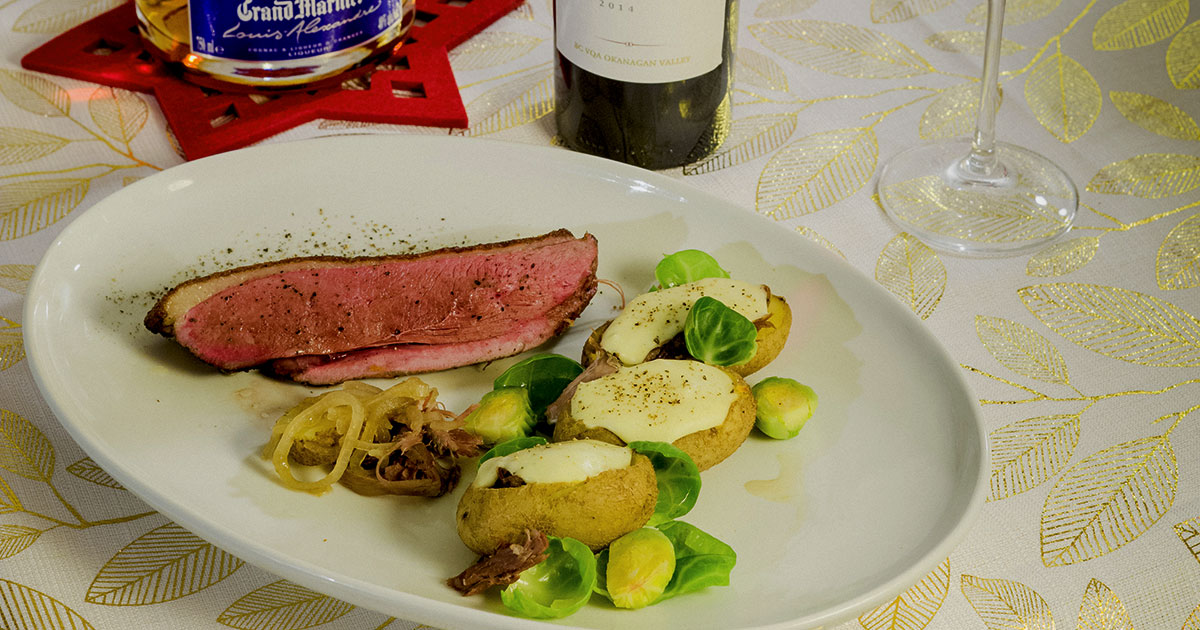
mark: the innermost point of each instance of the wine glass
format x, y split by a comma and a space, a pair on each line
979, 197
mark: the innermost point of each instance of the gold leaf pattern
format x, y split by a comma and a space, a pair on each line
489, 49
24, 449
759, 70
34, 94
813, 236
9, 502
1030, 451
1064, 97
283, 606
1177, 265
769, 9
968, 42
912, 271
517, 102
1102, 609
749, 138
23, 608
1016, 12
1156, 115
1022, 350
1193, 620
25, 145
892, 11
1149, 176
1063, 257
12, 347
1189, 532
1183, 58
162, 565
16, 277
914, 608
16, 538
120, 114
952, 113
29, 206
1118, 323
816, 172
842, 49
928, 203
1137, 23
1107, 500
1007, 605
87, 470
50, 17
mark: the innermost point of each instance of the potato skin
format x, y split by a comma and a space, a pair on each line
707, 448
772, 335
595, 511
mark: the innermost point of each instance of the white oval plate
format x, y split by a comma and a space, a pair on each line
872, 495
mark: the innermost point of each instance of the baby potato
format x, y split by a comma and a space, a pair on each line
706, 447
594, 511
772, 334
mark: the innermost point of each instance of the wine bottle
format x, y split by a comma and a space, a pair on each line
644, 81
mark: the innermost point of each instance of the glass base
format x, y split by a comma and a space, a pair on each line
952, 202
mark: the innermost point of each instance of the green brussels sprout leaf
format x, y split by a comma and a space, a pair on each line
512, 446
545, 375
557, 586
719, 335
783, 406
502, 414
678, 480
686, 266
700, 559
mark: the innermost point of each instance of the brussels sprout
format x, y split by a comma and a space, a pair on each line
784, 405
502, 414
701, 561
677, 476
557, 586
545, 376
511, 446
719, 335
687, 266
638, 567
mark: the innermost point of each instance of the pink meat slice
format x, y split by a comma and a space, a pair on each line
400, 359
466, 303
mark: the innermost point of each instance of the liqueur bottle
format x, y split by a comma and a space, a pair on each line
272, 43
644, 81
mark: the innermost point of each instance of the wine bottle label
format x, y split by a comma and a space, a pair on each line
285, 30
641, 41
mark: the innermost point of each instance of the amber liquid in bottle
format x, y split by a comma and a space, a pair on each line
165, 28
654, 125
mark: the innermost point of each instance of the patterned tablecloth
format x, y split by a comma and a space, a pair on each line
1085, 356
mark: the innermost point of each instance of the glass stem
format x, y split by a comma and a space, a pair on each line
982, 159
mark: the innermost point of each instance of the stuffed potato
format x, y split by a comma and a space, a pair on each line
651, 326
705, 411
591, 491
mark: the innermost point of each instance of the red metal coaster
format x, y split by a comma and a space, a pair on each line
416, 87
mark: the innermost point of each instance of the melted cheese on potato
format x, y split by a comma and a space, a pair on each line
573, 461
661, 400
652, 319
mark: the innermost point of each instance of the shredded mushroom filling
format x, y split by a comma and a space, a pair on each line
346, 427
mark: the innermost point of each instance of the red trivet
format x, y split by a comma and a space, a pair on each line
416, 87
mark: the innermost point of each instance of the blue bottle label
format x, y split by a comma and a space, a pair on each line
285, 30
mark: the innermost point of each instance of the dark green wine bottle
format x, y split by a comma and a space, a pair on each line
644, 81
